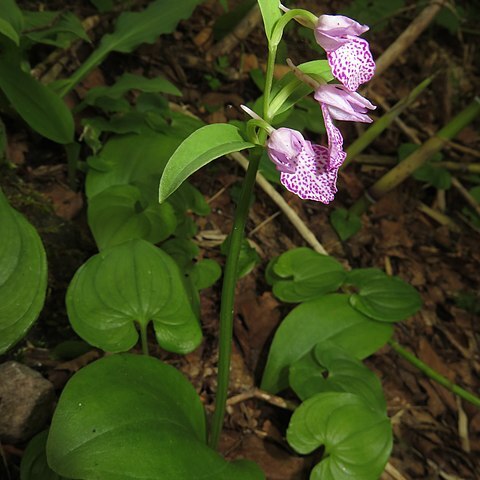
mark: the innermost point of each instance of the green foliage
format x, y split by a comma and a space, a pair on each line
121, 213
302, 274
53, 28
131, 30
132, 283
356, 437
330, 317
438, 177
34, 464
247, 259
270, 14
11, 20
381, 297
42, 109
205, 273
469, 212
133, 417
328, 368
345, 223
200, 148
23, 275
374, 13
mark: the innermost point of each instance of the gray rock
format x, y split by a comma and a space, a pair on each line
26, 402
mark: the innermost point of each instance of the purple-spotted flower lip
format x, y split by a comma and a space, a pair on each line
343, 104
333, 31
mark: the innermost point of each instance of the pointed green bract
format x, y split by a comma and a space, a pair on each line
330, 317
132, 283
357, 439
128, 417
270, 14
200, 148
23, 275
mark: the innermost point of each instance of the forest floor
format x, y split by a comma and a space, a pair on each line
437, 435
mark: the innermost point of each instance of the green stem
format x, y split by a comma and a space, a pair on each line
231, 268
228, 298
144, 338
434, 375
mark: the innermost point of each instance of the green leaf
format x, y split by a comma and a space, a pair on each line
345, 223
357, 439
270, 14
381, 297
11, 20
129, 82
42, 109
131, 30
130, 417
34, 464
330, 317
132, 283
374, 12
205, 273
197, 150
302, 274
328, 368
130, 159
23, 275
120, 213
54, 28
182, 250
248, 256
438, 177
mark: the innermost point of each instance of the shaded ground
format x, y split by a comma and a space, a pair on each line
436, 435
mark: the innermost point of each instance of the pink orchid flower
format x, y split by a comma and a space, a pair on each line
348, 55
304, 167
343, 104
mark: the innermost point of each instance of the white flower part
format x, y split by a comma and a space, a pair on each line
332, 31
336, 155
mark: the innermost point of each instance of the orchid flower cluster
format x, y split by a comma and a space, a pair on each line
309, 170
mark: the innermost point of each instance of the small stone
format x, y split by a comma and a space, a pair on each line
26, 402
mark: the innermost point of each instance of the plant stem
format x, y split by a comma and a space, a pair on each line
144, 339
228, 298
231, 268
434, 375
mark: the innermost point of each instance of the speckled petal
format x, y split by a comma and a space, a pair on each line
335, 141
312, 180
352, 63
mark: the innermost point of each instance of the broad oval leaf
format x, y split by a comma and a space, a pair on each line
383, 298
128, 417
120, 213
34, 464
302, 274
329, 368
205, 273
23, 275
42, 109
132, 283
357, 439
330, 317
11, 20
201, 147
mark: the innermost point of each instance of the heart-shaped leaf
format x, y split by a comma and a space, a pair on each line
302, 274
128, 417
120, 213
201, 147
130, 283
383, 298
205, 273
357, 439
23, 275
34, 464
345, 223
330, 317
328, 368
